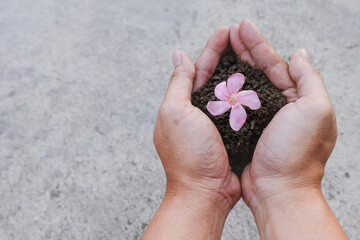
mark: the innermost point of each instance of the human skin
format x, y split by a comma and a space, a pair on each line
282, 185
201, 188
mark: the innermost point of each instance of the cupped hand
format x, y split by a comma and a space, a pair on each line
188, 143
293, 149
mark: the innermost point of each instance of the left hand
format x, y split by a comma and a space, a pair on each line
188, 143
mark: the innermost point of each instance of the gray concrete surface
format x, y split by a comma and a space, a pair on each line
80, 84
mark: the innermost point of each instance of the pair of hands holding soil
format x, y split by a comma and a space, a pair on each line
282, 184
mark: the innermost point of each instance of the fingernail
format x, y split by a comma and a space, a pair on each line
176, 58
304, 55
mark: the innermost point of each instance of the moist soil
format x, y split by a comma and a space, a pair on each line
240, 145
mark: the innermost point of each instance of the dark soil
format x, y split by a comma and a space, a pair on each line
240, 145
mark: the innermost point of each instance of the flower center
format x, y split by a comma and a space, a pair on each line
232, 99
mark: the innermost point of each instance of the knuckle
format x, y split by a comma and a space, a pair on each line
324, 109
325, 115
332, 119
166, 110
335, 134
206, 73
317, 73
268, 68
156, 136
176, 73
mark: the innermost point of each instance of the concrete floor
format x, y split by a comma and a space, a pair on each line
80, 84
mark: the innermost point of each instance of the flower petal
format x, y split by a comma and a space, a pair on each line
237, 117
235, 82
249, 98
221, 91
217, 107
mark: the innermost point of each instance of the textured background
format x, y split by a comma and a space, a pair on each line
80, 84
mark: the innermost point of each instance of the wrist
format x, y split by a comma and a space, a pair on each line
286, 210
185, 215
262, 192
201, 203
204, 212
222, 194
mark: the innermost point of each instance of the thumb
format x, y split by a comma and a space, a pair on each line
182, 79
308, 80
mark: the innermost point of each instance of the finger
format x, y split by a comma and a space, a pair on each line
239, 47
210, 56
308, 80
266, 58
182, 79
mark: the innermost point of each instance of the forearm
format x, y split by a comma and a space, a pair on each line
297, 215
187, 217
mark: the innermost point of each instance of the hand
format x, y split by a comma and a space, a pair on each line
188, 143
201, 189
283, 181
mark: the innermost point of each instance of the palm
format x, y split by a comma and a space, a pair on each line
208, 141
283, 148
275, 148
275, 151
187, 141
210, 164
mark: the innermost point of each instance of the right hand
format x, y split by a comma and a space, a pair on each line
291, 154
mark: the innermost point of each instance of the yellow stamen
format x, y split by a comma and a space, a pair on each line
232, 99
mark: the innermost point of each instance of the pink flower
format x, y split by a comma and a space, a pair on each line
233, 97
